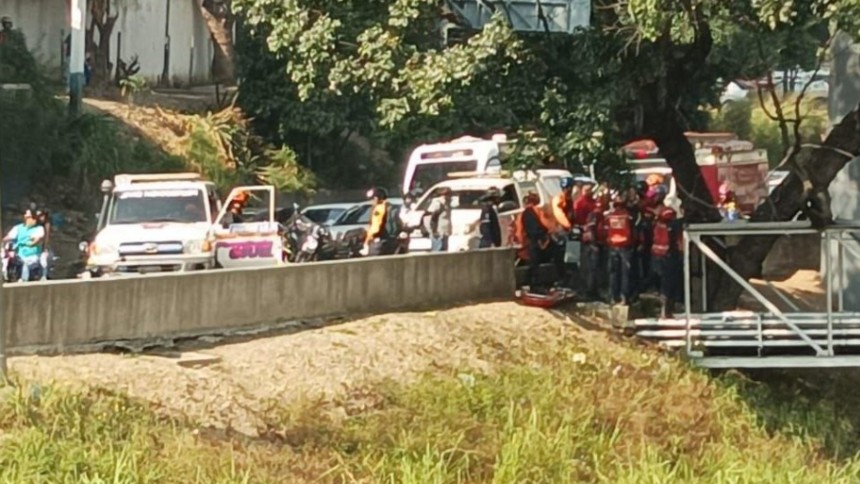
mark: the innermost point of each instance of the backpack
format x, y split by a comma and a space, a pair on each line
392, 221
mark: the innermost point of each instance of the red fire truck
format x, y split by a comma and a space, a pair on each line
723, 160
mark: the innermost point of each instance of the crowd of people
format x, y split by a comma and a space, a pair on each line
631, 235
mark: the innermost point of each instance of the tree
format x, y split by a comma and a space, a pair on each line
103, 23
219, 18
646, 69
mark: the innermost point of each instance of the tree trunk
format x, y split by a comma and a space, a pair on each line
790, 197
103, 23
220, 19
666, 130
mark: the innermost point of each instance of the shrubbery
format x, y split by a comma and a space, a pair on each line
753, 122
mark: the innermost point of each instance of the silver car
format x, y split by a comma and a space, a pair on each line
326, 214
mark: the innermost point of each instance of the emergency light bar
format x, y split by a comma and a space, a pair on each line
479, 174
128, 179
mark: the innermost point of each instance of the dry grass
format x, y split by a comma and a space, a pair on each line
544, 403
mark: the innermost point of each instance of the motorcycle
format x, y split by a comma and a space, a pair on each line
13, 266
304, 240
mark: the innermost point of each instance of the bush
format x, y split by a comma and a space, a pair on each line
752, 122
38, 141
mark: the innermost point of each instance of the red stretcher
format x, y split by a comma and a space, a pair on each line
545, 300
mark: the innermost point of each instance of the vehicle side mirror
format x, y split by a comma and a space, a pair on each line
507, 206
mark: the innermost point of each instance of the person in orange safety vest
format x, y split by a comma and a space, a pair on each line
594, 247
666, 259
532, 231
378, 241
562, 205
620, 240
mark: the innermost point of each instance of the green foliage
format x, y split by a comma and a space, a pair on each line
17, 64
735, 117
131, 86
83, 150
754, 122
55, 435
554, 411
222, 147
319, 71
285, 174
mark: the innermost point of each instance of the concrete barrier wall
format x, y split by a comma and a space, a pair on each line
64, 314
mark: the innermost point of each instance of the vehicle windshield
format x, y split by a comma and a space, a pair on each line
465, 198
324, 215
359, 214
428, 174
182, 205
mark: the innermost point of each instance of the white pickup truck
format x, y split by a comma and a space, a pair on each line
172, 223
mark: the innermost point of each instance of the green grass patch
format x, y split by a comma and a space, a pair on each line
560, 413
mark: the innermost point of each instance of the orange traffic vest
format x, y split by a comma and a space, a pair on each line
519, 231
562, 210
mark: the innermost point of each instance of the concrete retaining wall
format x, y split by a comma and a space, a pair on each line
67, 314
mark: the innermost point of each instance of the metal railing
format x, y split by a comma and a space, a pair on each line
792, 333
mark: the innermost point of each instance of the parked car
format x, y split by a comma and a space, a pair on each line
326, 214
466, 209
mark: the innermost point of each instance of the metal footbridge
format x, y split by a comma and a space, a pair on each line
775, 337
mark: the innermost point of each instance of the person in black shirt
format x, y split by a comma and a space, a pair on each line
536, 234
491, 232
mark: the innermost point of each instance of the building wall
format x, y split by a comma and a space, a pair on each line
845, 189
141, 24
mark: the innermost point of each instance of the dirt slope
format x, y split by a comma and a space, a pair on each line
333, 363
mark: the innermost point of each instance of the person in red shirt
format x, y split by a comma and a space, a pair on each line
583, 205
594, 245
666, 259
620, 240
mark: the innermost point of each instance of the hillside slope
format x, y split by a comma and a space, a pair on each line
489, 393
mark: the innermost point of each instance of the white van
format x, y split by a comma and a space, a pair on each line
466, 194
430, 164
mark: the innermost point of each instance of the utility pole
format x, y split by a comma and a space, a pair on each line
77, 56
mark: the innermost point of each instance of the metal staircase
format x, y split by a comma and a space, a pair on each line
772, 338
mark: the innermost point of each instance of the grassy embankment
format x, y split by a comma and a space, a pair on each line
556, 413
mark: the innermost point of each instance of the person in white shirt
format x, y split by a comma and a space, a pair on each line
439, 221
